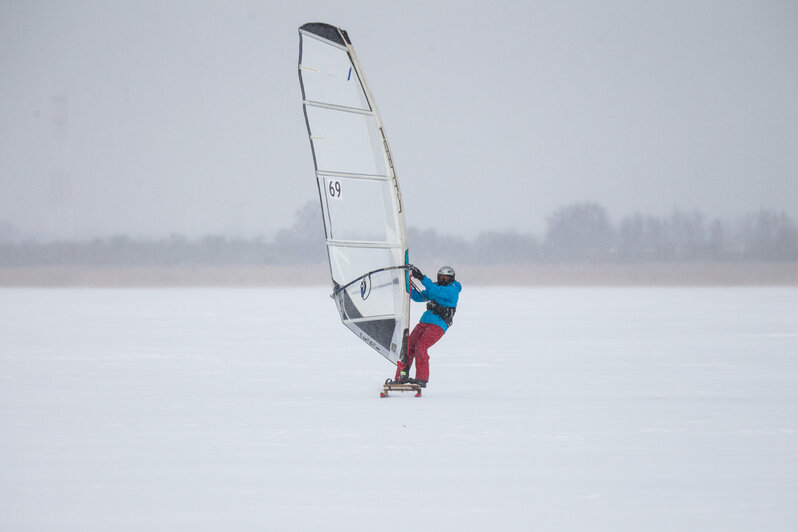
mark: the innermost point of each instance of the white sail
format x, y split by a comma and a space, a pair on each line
360, 199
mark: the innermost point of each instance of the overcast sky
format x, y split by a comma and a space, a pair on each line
155, 118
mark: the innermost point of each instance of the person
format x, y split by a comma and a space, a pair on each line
441, 298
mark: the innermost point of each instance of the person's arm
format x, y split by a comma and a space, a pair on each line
445, 295
415, 295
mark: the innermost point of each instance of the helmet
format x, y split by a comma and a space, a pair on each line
447, 271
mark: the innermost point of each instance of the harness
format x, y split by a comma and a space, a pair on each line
444, 313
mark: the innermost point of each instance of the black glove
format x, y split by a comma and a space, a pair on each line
415, 272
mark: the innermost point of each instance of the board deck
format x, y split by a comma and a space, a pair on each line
400, 388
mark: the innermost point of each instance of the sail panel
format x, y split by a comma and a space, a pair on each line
329, 76
375, 293
327, 32
358, 210
382, 332
357, 306
346, 142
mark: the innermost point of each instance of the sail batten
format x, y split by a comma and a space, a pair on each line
359, 194
342, 108
353, 176
356, 244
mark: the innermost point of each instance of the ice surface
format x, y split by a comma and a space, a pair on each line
255, 409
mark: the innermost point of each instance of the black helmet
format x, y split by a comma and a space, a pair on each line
445, 271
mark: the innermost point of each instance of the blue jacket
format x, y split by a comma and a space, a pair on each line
443, 295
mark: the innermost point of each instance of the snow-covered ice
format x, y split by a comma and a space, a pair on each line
255, 409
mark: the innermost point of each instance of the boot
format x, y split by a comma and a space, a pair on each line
402, 374
421, 383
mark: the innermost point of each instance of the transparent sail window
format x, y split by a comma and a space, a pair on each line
377, 296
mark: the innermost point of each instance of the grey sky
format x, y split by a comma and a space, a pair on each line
153, 118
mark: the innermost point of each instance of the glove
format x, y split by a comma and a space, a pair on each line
415, 272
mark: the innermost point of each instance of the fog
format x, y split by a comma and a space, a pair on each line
152, 119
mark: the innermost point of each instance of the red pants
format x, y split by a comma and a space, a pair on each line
424, 335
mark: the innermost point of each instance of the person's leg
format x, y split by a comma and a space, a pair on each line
411, 352
430, 335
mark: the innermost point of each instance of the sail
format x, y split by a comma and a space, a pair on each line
360, 199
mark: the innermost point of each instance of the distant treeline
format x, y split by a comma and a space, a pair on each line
579, 233
583, 233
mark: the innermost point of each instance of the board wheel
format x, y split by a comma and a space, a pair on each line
382, 394
418, 393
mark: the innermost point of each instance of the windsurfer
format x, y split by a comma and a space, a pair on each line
441, 298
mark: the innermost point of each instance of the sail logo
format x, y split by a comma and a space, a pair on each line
365, 287
369, 341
